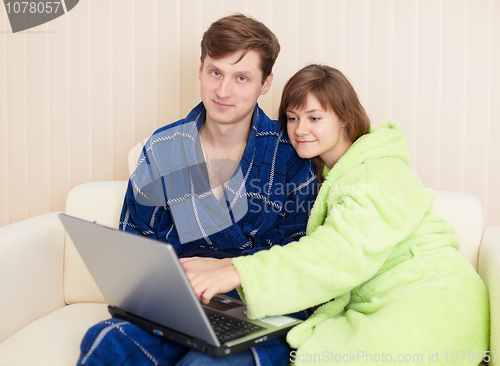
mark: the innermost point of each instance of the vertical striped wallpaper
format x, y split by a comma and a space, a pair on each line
80, 91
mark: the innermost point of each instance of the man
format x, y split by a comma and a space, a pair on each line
223, 182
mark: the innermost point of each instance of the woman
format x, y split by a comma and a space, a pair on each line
380, 265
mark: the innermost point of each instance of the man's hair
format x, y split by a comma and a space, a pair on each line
334, 92
239, 32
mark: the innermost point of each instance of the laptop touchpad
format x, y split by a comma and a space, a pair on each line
222, 304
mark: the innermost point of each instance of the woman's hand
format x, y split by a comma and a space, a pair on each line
199, 264
209, 283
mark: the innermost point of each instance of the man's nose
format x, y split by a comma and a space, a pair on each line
224, 89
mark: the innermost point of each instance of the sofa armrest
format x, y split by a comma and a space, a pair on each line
31, 271
489, 270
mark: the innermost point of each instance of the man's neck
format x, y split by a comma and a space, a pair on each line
224, 137
223, 146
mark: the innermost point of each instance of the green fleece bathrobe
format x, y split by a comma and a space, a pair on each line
403, 293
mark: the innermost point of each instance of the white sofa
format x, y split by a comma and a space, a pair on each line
48, 299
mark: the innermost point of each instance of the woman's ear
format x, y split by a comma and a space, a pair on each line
345, 130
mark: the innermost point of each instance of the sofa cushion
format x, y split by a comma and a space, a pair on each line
464, 212
97, 201
53, 340
489, 270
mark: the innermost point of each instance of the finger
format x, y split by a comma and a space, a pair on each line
188, 264
188, 259
207, 295
198, 284
193, 281
194, 278
201, 287
198, 291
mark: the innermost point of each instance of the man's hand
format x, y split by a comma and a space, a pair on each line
200, 264
209, 283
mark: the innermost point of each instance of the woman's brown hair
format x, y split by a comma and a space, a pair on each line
239, 32
334, 92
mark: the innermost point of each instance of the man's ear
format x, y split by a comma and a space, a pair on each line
199, 70
267, 84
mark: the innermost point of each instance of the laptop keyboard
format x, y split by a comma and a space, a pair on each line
227, 329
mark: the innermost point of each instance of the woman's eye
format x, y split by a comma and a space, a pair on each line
315, 119
291, 119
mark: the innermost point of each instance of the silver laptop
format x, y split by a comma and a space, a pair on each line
144, 283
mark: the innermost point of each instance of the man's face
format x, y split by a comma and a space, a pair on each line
230, 90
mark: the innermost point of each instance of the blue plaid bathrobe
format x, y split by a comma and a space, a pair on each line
266, 201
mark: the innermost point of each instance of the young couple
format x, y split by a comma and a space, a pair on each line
380, 270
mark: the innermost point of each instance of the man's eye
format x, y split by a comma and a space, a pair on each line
216, 73
242, 78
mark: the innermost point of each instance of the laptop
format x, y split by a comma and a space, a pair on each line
144, 283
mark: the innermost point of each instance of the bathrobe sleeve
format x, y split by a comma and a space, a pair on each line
355, 224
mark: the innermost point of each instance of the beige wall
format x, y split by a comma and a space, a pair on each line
77, 93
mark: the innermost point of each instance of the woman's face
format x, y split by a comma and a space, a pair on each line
314, 131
